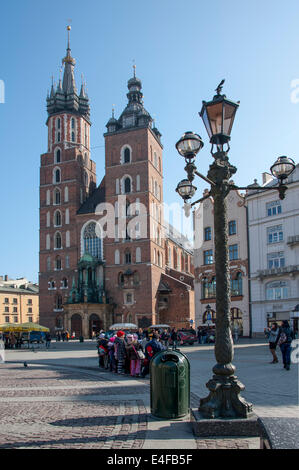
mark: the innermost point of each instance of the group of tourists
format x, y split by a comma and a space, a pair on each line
130, 353
282, 337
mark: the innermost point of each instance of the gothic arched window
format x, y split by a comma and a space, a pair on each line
127, 185
58, 263
58, 156
57, 175
57, 197
57, 244
57, 219
127, 155
92, 244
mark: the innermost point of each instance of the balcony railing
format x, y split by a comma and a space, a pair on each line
294, 240
261, 273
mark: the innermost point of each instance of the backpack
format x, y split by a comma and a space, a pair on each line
150, 351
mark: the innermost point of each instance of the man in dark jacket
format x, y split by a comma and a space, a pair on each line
284, 340
154, 346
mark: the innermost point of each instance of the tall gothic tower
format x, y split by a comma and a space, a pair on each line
134, 186
67, 177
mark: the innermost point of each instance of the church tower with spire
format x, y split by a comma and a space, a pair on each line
67, 178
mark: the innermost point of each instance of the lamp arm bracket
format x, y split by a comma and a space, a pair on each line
204, 178
201, 200
281, 188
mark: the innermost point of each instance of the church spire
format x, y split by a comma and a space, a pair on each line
66, 97
69, 84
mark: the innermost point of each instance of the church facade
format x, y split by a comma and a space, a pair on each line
106, 254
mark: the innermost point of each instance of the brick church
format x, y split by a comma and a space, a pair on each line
106, 255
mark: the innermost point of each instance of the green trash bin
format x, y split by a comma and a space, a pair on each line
170, 384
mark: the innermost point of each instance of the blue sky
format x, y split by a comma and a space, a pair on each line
182, 49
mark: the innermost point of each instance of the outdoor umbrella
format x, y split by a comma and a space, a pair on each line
10, 327
29, 326
123, 326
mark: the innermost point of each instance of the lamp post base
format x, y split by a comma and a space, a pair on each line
224, 400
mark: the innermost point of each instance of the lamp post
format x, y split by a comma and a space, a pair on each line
218, 115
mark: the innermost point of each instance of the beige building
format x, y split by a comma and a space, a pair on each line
204, 263
19, 304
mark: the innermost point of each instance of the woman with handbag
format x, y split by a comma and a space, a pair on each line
284, 341
135, 355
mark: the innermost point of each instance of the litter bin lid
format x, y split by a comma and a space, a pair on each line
169, 356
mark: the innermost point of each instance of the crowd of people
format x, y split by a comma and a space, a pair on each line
131, 353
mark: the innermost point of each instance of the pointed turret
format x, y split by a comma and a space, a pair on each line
66, 97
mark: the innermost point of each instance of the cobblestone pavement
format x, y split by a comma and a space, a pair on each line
62, 400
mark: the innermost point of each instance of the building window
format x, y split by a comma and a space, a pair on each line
208, 234
57, 219
14, 301
30, 319
57, 176
127, 155
58, 244
73, 136
57, 198
6, 319
277, 290
129, 298
58, 302
29, 310
29, 301
58, 156
58, 263
128, 258
209, 288
15, 309
233, 252
127, 185
121, 279
15, 319
236, 285
6, 309
67, 261
273, 208
6, 300
208, 257
276, 260
232, 227
92, 244
209, 316
64, 283
275, 234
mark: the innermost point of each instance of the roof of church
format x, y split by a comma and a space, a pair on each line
98, 196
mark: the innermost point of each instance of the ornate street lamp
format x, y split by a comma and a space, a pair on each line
218, 116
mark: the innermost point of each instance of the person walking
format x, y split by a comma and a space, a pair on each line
175, 338
199, 331
120, 351
272, 335
284, 340
48, 340
165, 337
